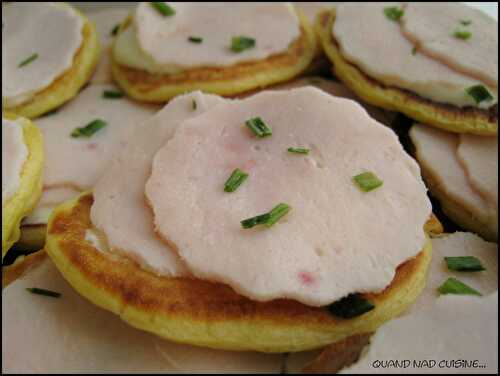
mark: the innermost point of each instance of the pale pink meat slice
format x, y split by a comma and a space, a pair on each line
432, 27
459, 244
120, 209
105, 20
479, 157
339, 90
79, 162
69, 334
336, 240
457, 334
375, 44
437, 151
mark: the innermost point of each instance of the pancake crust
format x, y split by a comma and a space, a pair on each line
226, 81
443, 116
209, 314
21, 266
30, 187
69, 83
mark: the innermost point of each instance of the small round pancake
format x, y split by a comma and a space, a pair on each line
208, 314
447, 117
229, 81
30, 187
69, 83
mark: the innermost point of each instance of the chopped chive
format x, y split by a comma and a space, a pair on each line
195, 39
241, 43
194, 105
479, 93
28, 60
235, 180
462, 34
114, 30
278, 211
89, 129
367, 181
465, 22
267, 219
454, 286
464, 264
258, 127
394, 13
414, 51
112, 94
351, 306
298, 150
36, 290
163, 8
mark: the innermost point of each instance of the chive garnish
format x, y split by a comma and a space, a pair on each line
114, 30
414, 51
89, 129
479, 93
464, 264
462, 34
465, 22
394, 13
36, 290
112, 94
367, 181
454, 286
195, 39
267, 219
258, 127
241, 43
194, 104
163, 8
28, 60
235, 180
351, 306
298, 150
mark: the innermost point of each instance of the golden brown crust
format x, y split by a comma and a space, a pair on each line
443, 116
204, 313
68, 84
227, 81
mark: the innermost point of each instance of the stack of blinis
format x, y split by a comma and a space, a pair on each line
180, 193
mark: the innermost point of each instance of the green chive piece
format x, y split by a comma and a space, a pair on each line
194, 105
454, 286
351, 306
278, 211
464, 264
479, 93
89, 129
267, 219
112, 94
235, 180
163, 8
367, 181
258, 127
394, 13
195, 39
414, 51
462, 34
114, 30
298, 150
28, 60
465, 22
241, 43
36, 290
